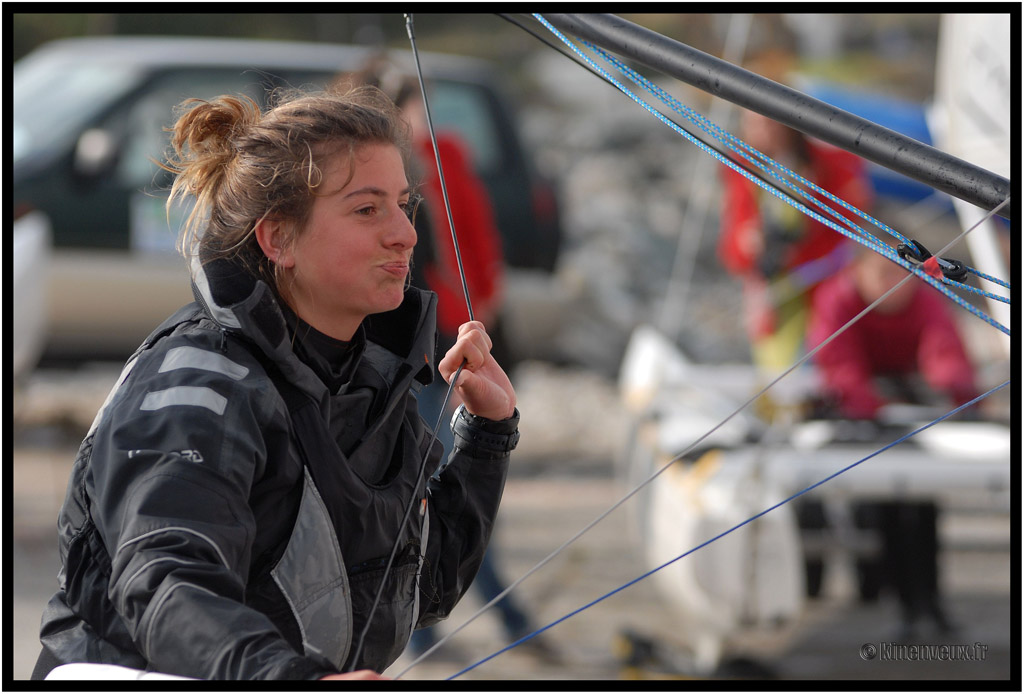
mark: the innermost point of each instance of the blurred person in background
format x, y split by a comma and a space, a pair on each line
780, 253
232, 512
907, 349
436, 269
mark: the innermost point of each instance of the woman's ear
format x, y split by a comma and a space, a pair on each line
275, 237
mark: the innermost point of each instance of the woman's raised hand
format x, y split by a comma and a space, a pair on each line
483, 386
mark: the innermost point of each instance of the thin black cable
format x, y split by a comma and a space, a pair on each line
455, 377
437, 158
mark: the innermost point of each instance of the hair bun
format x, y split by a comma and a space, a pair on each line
208, 127
203, 139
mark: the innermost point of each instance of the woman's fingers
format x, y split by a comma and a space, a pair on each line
472, 346
482, 384
478, 330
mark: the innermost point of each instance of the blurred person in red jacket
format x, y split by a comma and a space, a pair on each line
436, 268
780, 253
906, 349
481, 251
480, 243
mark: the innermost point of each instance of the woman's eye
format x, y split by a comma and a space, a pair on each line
410, 205
366, 211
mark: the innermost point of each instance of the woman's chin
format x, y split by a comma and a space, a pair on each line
392, 300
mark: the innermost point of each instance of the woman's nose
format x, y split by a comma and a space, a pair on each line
402, 233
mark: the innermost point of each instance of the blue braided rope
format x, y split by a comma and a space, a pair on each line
741, 148
994, 280
730, 530
976, 290
770, 189
767, 165
778, 171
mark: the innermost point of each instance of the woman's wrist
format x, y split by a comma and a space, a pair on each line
492, 436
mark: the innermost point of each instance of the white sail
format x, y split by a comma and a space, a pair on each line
971, 120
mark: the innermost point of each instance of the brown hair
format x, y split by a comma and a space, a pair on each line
241, 165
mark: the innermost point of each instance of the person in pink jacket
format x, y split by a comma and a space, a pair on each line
906, 348
910, 335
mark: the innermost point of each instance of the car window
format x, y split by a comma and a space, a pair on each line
142, 128
464, 108
53, 97
147, 118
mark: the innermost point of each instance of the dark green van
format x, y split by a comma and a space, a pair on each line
89, 114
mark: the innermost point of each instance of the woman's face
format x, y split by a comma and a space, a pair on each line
353, 257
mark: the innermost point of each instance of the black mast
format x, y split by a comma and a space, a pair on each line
886, 147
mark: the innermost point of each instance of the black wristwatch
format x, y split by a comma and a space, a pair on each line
496, 437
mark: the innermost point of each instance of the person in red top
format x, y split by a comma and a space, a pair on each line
910, 336
480, 243
780, 253
435, 267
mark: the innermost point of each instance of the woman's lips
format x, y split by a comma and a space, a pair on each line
399, 269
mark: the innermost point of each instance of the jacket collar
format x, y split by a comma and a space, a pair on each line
400, 343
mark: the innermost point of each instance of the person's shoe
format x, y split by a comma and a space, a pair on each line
906, 632
942, 623
541, 648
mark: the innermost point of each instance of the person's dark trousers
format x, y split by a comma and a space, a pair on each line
911, 550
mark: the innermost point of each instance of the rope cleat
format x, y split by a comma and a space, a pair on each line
936, 267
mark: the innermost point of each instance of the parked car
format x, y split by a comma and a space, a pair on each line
89, 117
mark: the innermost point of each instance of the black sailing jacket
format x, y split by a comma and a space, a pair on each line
228, 516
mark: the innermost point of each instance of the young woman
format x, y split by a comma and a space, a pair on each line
252, 501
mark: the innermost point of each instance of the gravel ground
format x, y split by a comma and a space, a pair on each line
563, 477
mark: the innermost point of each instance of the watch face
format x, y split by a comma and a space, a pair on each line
458, 410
